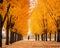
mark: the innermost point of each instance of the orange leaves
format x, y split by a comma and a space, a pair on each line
19, 9
33, 10
47, 9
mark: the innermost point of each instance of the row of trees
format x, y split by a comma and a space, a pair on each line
2, 22
15, 27
13, 35
44, 19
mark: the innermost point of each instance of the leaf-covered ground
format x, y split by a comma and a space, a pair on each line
34, 44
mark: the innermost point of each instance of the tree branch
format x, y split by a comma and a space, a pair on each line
6, 14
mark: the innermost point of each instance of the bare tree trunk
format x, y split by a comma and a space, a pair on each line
0, 30
38, 37
11, 32
42, 37
1, 1
6, 15
7, 37
55, 36
58, 37
35, 37
50, 36
7, 32
15, 37
11, 37
19, 37
0, 36
46, 36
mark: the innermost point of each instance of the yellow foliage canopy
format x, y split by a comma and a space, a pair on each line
19, 9
36, 11
47, 10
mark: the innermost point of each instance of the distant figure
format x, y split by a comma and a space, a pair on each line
28, 37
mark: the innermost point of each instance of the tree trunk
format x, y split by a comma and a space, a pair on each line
7, 32
15, 37
7, 37
0, 36
11, 37
58, 36
20, 37
50, 36
1, 1
55, 36
46, 36
0, 30
6, 15
35, 37
42, 37
38, 37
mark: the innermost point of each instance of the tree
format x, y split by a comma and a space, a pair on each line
54, 13
1, 30
50, 36
55, 37
58, 27
50, 12
7, 32
1, 1
2, 23
35, 36
11, 32
42, 37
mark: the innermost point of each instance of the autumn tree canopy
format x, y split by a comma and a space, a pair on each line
35, 10
19, 11
44, 10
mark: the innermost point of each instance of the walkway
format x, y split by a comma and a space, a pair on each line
34, 44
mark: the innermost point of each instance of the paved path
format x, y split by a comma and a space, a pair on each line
34, 44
